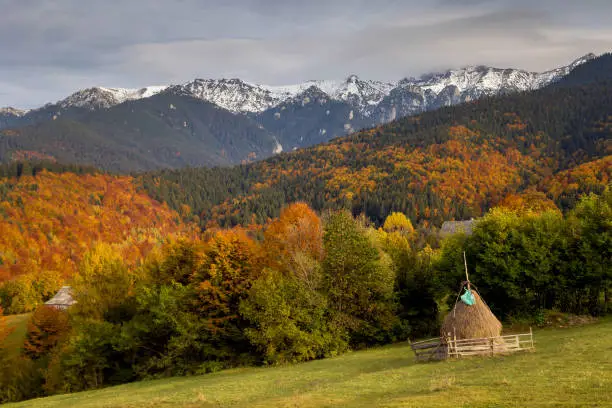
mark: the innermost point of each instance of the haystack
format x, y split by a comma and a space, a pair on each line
471, 322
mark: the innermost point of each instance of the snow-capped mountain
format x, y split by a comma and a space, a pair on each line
8, 111
238, 96
482, 80
102, 98
10, 116
429, 91
364, 102
234, 95
412, 95
90, 99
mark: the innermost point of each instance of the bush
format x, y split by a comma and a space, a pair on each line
289, 320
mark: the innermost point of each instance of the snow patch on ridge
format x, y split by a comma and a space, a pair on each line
13, 111
101, 97
278, 148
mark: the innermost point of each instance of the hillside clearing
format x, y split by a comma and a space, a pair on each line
18, 324
571, 368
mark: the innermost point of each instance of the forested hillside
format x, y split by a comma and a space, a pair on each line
48, 221
453, 163
164, 130
567, 186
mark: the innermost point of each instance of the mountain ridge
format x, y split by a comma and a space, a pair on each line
174, 127
239, 96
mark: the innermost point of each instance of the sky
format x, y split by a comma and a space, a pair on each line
51, 48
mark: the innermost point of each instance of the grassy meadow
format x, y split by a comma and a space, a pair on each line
572, 367
18, 323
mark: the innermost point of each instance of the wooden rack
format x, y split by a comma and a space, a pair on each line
441, 349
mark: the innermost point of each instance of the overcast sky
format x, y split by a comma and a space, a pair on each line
50, 48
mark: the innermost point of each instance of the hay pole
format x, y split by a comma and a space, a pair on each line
467, 276
467, 280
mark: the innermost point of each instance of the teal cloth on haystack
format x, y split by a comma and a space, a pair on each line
468, 298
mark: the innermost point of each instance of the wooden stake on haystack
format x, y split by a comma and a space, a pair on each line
467, 280
467, 277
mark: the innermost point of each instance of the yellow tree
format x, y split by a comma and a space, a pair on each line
398, 222
231, 263
102, 283
530, 202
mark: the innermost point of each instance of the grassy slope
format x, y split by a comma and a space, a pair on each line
572, 367
18, 323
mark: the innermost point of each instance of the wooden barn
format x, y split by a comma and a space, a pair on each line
454, 227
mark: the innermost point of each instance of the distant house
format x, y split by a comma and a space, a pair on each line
453, 227
62, 299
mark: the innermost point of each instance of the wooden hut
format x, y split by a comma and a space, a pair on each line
63, 299
454, 227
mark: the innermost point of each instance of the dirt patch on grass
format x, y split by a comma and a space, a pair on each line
562, 320
548, 318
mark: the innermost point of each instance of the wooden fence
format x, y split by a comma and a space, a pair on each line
439, 349
491, 345
428, 350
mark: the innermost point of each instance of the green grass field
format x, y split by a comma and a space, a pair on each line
18, 323
571, 368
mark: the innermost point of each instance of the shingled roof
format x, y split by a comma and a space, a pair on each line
62, 299
453, 227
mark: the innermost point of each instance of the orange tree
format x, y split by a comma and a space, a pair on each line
47, 327
294, 243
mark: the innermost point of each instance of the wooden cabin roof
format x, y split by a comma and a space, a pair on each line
453, 227
62, 298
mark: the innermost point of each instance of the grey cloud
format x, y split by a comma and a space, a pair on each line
465, 2
51, 48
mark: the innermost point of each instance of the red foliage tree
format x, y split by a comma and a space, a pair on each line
47, 327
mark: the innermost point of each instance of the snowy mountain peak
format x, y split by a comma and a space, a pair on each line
478, 80
352, 79
365, 96
239, 96
9, 111
232, 94
101, 98
582, 60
